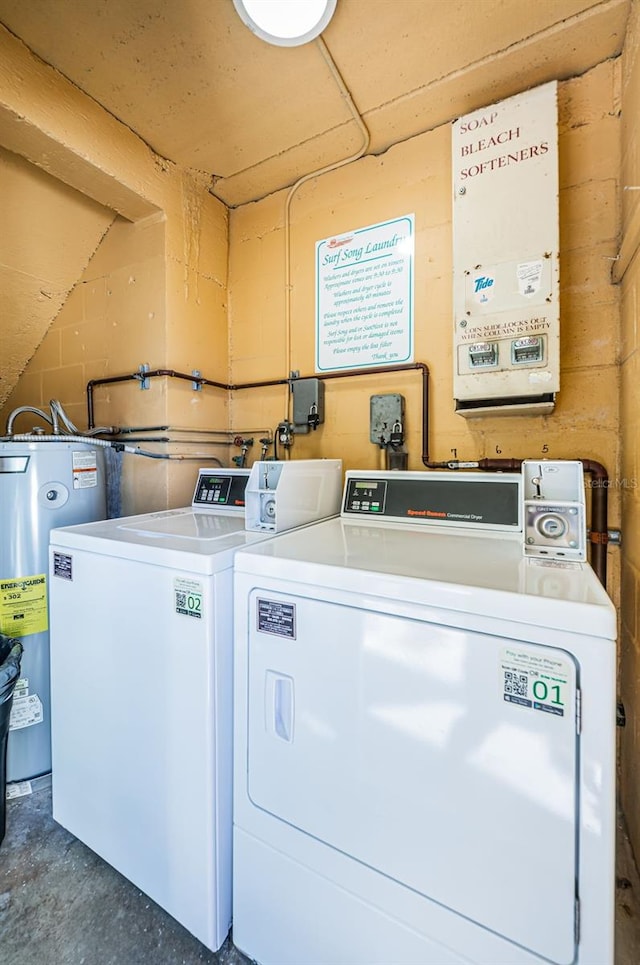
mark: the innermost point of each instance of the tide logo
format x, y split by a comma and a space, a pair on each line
484, 281
482, 287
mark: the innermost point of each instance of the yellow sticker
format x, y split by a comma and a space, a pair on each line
23, 605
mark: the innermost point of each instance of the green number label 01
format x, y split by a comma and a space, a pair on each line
541, 692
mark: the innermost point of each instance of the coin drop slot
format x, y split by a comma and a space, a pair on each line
525, 351
483, 355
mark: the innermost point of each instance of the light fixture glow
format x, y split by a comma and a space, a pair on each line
286, 23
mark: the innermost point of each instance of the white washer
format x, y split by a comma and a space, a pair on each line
415, 779
141, 614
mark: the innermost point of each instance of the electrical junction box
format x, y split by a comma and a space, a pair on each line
554, 510
308, 404
386, 415
505, 256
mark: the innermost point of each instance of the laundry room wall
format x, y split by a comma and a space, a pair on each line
153, 291
628, 480
49, 232
415, 177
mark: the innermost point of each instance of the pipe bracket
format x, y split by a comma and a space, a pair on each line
142, 370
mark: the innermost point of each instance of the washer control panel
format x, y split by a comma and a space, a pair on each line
221, 489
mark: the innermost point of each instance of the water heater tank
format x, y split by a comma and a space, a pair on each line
43, 484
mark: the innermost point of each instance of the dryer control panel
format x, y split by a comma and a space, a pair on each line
461, 499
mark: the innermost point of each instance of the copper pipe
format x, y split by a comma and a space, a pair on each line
500, 465
170, 373
599, 533
230, 387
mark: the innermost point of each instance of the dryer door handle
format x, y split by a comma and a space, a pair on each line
280, 700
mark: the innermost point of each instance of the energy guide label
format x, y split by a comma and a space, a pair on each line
188, 598
536, 681
23, 605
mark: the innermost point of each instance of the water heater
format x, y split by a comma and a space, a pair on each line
505, 256
43, 484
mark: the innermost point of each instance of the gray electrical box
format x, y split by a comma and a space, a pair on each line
308, 404
386, 412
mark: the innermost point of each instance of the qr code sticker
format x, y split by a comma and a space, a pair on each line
181, 599
516, 683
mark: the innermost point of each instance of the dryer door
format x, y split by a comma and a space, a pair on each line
443, 758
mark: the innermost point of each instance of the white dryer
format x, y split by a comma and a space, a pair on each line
141, 613
424, 737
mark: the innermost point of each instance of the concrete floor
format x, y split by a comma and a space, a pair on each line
60, 904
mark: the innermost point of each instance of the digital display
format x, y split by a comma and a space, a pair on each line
366, 496
213, 490
222, 490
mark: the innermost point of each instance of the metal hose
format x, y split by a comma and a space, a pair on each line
25, 408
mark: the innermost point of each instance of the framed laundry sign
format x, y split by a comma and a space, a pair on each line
364, 296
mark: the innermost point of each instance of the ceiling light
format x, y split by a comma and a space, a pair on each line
286, 23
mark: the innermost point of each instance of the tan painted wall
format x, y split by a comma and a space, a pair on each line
416, 177
155, 290
629, 479
49, 231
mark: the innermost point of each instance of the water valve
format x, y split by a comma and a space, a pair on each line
265, 443
285, 433
244, 444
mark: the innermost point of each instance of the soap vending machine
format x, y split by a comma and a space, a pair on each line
506, 326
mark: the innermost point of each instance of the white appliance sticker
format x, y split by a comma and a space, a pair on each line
277, 618
535, 681
555, 564
62, 566
85, 470
188, 598
18, 789
529, 277
25, 712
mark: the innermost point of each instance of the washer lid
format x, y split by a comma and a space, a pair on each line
188, 526
182, 538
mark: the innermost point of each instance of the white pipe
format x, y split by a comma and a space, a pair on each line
109, 444
29, 437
